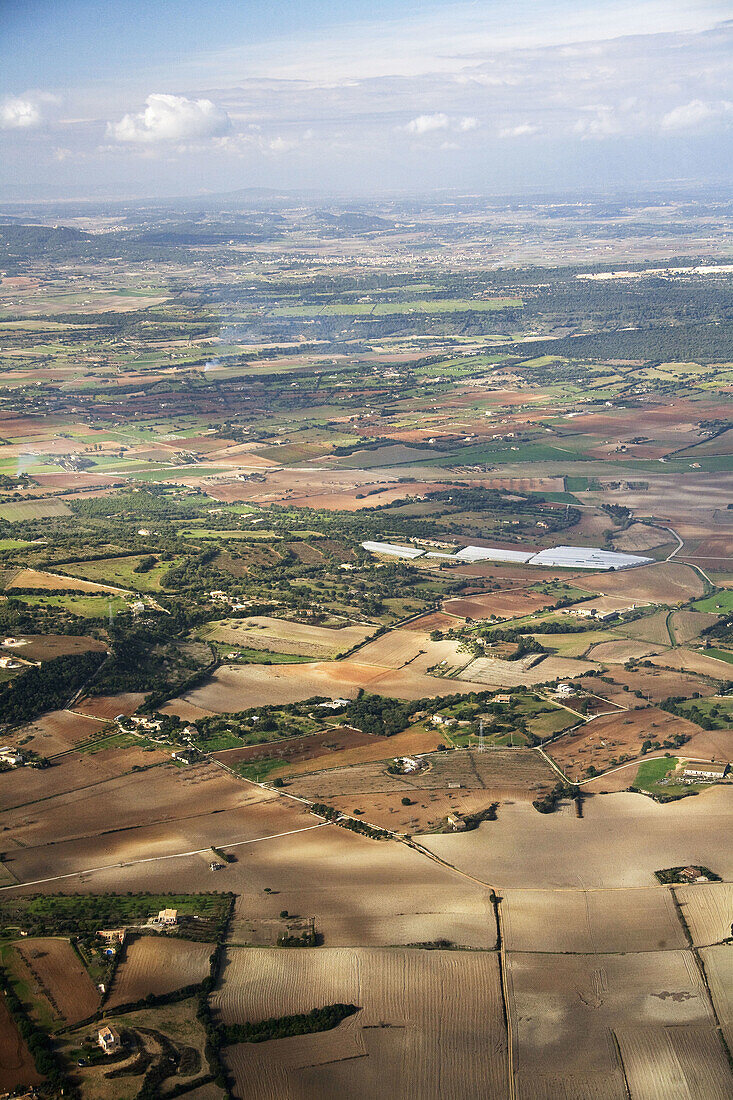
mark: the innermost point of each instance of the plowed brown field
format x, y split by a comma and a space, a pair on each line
157, 965
406, 1039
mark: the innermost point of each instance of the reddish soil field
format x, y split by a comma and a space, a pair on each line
655, 683
435, 620
606, 738
109, 706
44, 647
61, 977
297, 749
408, 743
57, 731
16, 1064
506, 605
72, 772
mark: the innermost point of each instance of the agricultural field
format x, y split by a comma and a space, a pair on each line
404, 1036
565, 1009
718, 963
600, 743
51, 972
155, 965
283, 636
17, 1068
463, 781
706, 909
55, 582
530, 850
578, 921
207, 409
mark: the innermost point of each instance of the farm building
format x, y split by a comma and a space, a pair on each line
11, 756
693, 772
693, 874
111, 935
109, 1039
168, 916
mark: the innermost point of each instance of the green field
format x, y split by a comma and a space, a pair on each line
88, 607
719, 654
20, 510
385, 309
720, 602
650, 772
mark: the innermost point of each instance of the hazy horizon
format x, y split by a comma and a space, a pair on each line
361, 99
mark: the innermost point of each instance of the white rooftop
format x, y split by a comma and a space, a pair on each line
586, 557
566, 557
392, 549
489, 553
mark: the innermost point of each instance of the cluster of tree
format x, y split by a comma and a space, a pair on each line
332, 814
706, 342
377, 714
280, 1027
48, 687
549, 802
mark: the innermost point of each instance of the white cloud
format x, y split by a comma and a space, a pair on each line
19, 114
697, 113
600, 122
171, 118
426, 124
524, 129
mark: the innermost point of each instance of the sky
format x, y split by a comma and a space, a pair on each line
155, 98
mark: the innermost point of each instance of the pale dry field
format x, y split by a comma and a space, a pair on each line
689, 660
687, 625
588, 921
708, 911
639, 537
524, 849
564, 1009
408, 1037
491, 672
360, 891
674, 1063
54, 582
620, 651
283, 636
400, 648
718, 963
157, 965
668, 583
238, 688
